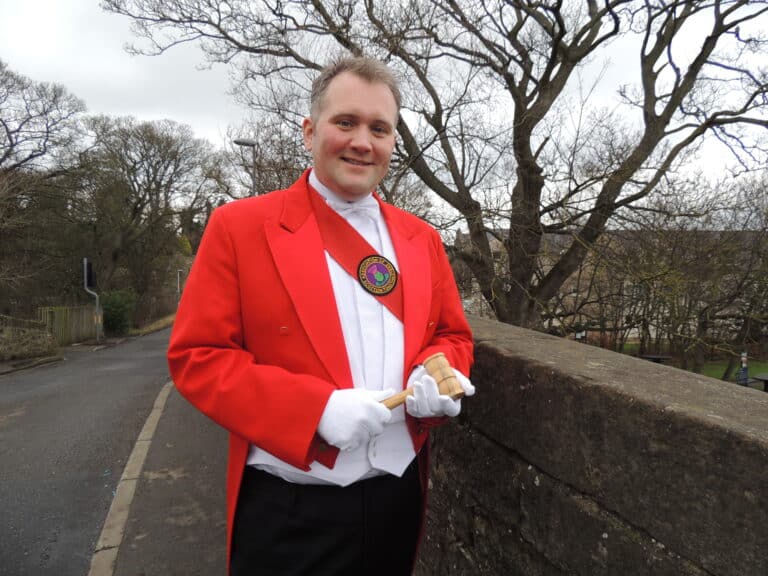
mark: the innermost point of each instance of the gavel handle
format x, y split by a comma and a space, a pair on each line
397, 399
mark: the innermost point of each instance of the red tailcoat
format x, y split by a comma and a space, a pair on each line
257, 343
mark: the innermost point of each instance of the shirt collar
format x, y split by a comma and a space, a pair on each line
366, 205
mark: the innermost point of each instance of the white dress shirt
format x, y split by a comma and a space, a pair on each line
374, 340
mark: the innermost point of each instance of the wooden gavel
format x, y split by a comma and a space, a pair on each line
438, 367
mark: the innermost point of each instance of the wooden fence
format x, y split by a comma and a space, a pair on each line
69, 324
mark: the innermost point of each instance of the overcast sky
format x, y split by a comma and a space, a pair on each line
78, 45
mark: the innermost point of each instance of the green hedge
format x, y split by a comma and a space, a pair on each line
118, 306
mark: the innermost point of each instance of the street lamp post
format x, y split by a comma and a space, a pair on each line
248, 143
178, 284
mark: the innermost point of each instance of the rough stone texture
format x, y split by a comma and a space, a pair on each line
576, 460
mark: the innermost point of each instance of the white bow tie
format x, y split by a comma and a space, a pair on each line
364, 207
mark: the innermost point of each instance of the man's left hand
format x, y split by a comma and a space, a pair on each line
427, 402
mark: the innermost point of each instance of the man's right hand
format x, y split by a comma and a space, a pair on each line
352, 416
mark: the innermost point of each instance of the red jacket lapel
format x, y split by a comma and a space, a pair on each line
298, 251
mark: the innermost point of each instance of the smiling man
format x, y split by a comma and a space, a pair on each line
351, 134
305, 308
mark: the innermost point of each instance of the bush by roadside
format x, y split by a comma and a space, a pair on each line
118, 306
21, 343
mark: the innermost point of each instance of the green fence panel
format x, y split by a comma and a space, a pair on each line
69, 324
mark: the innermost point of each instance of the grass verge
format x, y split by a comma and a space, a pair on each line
716, 369
158, 324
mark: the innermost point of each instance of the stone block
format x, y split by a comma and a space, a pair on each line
672, 466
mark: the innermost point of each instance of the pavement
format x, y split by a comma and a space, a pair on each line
176, 523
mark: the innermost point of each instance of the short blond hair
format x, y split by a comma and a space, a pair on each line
368, 69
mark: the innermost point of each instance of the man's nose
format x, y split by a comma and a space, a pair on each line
362, 139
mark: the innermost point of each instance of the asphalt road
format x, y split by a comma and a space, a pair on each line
66, 431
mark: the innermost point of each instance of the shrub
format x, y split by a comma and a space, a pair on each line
20, 343
185, 247
118, 306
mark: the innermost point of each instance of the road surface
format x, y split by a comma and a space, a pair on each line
66, 431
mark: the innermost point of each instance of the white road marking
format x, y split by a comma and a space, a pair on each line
105, 555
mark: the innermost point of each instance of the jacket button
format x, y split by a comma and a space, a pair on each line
283, 330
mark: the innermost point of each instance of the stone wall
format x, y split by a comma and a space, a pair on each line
575, 460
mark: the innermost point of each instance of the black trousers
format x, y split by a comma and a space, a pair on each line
369, 528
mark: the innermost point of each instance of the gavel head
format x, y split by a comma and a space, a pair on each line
438, 367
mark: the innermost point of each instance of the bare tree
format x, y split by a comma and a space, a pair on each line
133, 185
10, 217
487, 84
35, 118
11, 220
279, 155
696, 284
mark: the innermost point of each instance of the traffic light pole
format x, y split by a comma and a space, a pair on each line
97, 317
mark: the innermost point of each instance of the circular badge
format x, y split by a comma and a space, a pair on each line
377, 275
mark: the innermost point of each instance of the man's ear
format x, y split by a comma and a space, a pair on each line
309, 129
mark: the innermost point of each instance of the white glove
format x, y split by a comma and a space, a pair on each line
352, 416
469, 389
427, 402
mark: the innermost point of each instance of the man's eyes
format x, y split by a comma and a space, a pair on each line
378, 129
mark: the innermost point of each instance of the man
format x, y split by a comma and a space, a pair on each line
304, 309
